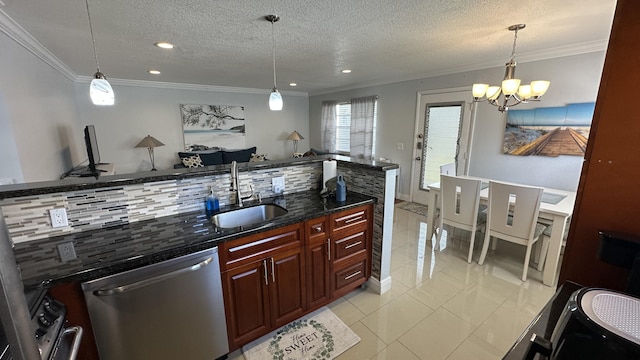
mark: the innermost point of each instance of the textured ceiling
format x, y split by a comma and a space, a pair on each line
228, 42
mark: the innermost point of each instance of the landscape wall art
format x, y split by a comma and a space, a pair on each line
213, 126
550, 131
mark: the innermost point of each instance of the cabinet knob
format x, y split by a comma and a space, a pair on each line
318, 229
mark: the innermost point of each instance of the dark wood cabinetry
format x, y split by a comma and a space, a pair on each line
263, 279
350, 249
272, 278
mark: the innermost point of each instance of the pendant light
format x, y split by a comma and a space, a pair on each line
100, 90
275, 99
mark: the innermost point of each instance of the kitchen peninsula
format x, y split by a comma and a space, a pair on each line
123, 222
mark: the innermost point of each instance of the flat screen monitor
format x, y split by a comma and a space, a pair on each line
92, 147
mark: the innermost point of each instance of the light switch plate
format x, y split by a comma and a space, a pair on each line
58, 217
278, 184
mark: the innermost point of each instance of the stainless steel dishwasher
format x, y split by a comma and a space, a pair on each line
169, 310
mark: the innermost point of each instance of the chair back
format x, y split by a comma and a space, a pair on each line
448, 169
459, 200
513, 209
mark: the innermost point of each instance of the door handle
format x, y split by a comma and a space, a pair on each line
142, 283
77, 337
418, 158
266, 272
329, 249
273, 271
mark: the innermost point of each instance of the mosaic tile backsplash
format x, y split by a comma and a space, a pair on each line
27, 218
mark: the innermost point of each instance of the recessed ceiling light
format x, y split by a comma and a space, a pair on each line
154, 72
346, 71
164, 45
293, 84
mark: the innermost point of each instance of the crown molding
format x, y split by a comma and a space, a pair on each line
16, 32
561, 51
181, 86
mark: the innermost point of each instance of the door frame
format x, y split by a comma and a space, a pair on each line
466, 155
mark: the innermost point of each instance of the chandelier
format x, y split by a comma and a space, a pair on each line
275, 98
513, 93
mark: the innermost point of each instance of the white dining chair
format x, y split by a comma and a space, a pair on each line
512, 216
448, 169
459, 204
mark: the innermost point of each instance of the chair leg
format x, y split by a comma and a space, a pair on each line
485, 247
439, 235
471, 242
544, 248
494, 243
527, 257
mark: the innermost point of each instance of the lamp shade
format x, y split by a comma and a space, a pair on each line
149, 142
100, 91
275, 100
295, 136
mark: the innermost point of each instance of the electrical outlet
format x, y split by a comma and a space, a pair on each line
58, 217
67, 252
278, 184
401, 146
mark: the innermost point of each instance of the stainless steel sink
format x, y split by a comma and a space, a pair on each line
247, 215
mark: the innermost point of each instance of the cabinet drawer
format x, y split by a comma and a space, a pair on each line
258, 246
349, 219
317, 229
350, 244
349, 277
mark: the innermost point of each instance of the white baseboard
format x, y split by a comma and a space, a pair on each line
378, 286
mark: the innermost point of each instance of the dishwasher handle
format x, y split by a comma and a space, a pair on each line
142, 283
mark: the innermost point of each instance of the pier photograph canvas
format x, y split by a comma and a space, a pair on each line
550, 131
213, 126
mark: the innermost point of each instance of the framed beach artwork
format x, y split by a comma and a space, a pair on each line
548, 131
213, 126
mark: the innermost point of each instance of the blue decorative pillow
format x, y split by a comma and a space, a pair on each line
238, 155
208, 158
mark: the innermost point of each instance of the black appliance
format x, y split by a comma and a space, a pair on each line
595, 324
55, 340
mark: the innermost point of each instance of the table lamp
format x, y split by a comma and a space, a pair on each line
295, 136
150, 142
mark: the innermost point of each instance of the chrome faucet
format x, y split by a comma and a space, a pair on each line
235, 187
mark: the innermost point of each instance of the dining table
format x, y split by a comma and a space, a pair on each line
556, 207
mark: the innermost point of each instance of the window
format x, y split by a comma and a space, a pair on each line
343, 129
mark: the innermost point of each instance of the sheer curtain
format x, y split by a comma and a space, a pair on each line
329, 125
362, 122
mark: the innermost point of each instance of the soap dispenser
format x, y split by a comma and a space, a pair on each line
212, 203
341, 189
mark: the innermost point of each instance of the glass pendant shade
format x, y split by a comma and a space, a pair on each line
479, 90
493, 92
538, 88
510, 86
524, 92
100, 90
275, 100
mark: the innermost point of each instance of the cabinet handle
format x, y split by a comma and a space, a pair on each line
273, 271
352, 275
318, 229
266, 276
352, 220
352, 245
329, 249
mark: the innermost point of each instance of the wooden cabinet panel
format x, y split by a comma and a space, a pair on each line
259, 246
347, 279
349, 244
317, 262
349, 219
245, 297
287, 287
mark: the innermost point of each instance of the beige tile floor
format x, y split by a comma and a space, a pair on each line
439, 306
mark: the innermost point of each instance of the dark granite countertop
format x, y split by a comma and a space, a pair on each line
111, 250
78, 183
544, 323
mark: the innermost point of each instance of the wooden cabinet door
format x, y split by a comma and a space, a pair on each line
317, 262
246, 302
287, 287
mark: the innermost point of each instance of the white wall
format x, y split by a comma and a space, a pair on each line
141, 111
38, 121
573, 79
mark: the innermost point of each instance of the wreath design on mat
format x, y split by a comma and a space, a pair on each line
324, 352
